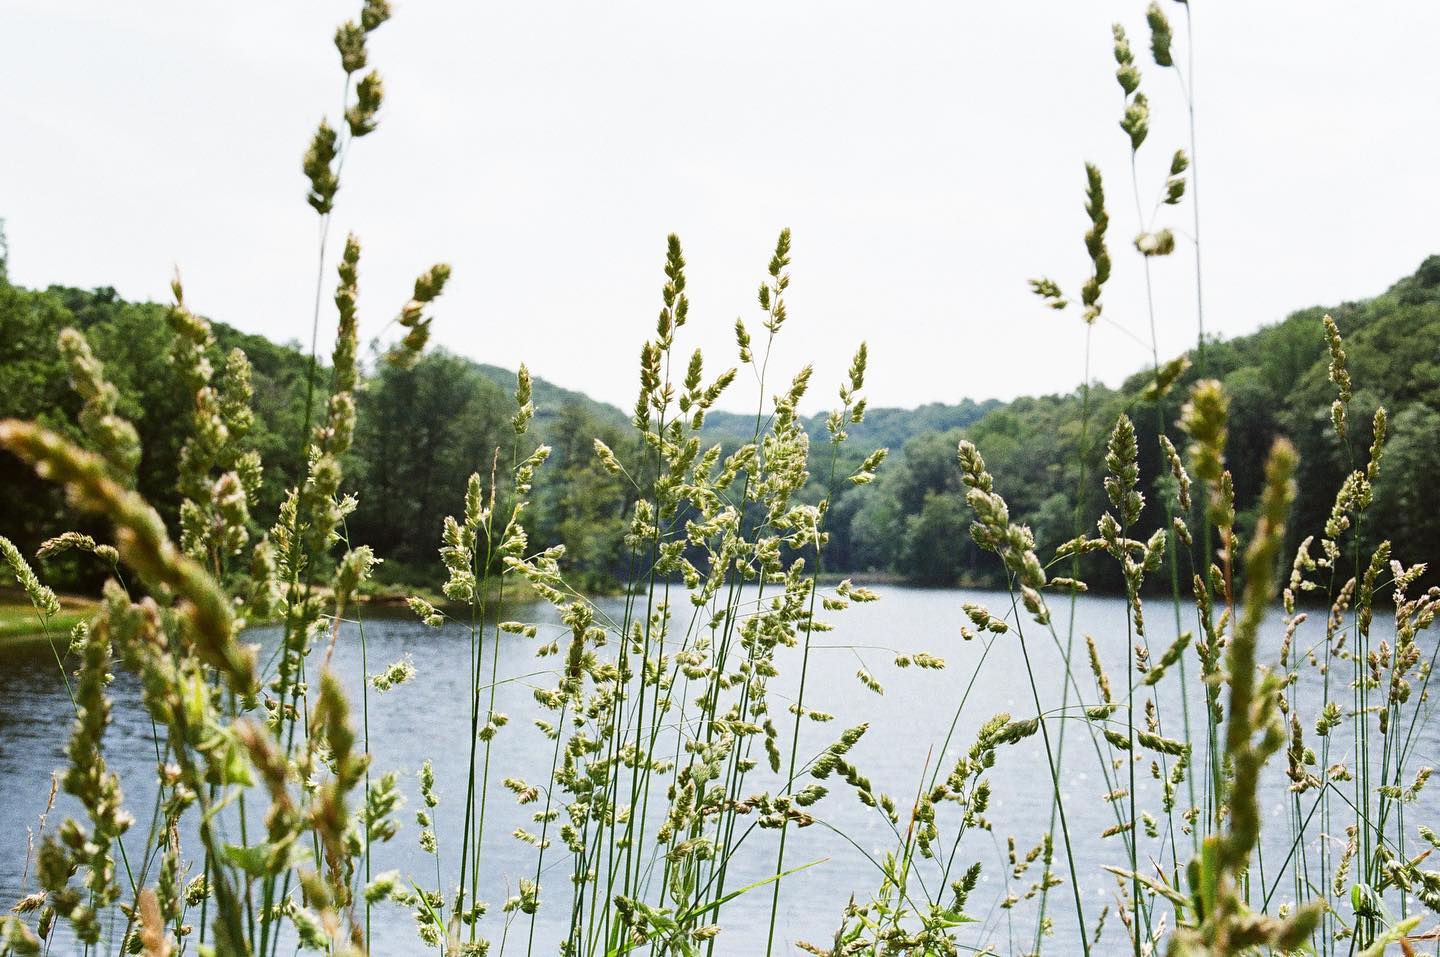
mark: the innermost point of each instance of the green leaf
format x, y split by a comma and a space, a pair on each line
714, 905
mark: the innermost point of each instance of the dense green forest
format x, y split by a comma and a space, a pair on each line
423, 429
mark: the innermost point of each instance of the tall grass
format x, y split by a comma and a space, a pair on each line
678, 730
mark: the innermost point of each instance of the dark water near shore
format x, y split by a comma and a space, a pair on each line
428, 718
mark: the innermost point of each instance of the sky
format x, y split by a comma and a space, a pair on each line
928, 157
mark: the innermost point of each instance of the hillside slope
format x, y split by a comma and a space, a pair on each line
915, 522
423, 430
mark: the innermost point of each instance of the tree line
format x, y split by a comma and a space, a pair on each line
422, 430
914, 521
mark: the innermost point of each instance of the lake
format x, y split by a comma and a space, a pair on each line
428, 718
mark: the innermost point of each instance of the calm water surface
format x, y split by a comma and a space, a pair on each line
428, 718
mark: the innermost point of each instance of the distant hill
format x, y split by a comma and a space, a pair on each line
913, 523
549, 397
882, 428
887, 428
423, 430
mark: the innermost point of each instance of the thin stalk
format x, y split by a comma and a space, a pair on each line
800, 696
1079, 528
1054, 777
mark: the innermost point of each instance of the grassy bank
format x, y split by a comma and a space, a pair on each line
19, 625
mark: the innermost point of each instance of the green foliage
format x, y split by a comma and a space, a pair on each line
1277, 383
421, 430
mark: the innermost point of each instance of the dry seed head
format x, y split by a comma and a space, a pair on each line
1169, 658
1377, 444
40, 596
1136, 121
381, 887
1177, 470
1102, 680
373, 14
1049, 290
236, 393
264, 596
1160, 243
772, 294
18, 938
1175, 184
87, 777
1260, 560
1163, 745
192, 343
1353, 497
676, 303
115, 437
153, 940
317, 168
28, 904
1154, 550
369, 93
524, 407
1126, 73
1364, 606
350, 42
973, 467
868, 468
1203, 418
1339, 373
857, 368
75, 540
1095, 242
428, 286
742, 340
1015, 731
781, 258
343, 375
1160, 35
1121, 458
430, 283
354, 569
980, 616
1222, 505
798, 387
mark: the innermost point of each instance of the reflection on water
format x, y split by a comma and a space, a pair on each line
428, 718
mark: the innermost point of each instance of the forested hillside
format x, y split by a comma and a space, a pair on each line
422, 430
914, 521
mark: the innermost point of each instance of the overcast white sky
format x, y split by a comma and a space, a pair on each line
928, 157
